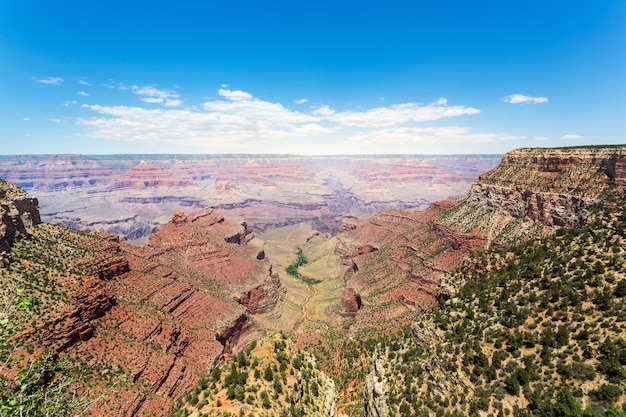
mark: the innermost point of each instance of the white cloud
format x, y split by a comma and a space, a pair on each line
236, 95
83, 82
541, 138
173, 102
151, 94
569, 137
401, 113
324, 111
520, 98
220, 123
237, 119
447, 134
68, 103
82, 93
302, 100
51, 80
54, 120
26, 119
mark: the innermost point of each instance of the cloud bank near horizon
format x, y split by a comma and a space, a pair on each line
236, 119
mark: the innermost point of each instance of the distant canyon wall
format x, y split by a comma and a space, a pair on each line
132, 195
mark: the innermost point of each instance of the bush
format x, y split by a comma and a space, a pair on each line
608, 393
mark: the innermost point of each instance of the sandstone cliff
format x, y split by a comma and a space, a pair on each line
162, 315
192, 293
553, 186
395, 259
18, 210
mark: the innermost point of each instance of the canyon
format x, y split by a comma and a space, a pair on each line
132, 195
204, 285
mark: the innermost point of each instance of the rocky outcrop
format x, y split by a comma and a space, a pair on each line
18, 211
187, 303
107, 262
89, 303
264, 297
164, 313
467, 242
230, 335
89, 298
242, 237
374, 394
551, 209
352, 302
552, 186
396, 259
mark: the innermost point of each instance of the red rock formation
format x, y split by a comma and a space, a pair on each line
551, 186
351, 302
188, 293
264, 297
88, 299
18, 211
165, 313
58, 173
107, 262
230, 335
403, 274
146, 175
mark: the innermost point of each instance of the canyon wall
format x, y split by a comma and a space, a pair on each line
162, 314
552, 186
133, 195
396, 259
201, 285
18, 210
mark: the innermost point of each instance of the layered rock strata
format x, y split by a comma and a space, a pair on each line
192, 292
396, 258
553, 186
394, 261
132, 195
18, 210
163, 314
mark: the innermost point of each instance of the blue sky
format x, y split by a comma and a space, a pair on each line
310, 78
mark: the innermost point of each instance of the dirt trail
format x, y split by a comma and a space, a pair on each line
305, 314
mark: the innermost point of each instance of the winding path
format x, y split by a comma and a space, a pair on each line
305, 314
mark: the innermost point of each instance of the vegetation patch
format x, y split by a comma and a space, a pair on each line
292, 269
269, 378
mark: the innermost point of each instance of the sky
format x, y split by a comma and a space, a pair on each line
310, 78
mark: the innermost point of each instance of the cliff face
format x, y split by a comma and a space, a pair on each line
163, 313
552, 186
18, 211
394, 261
396, 257
374, 393
191, 292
